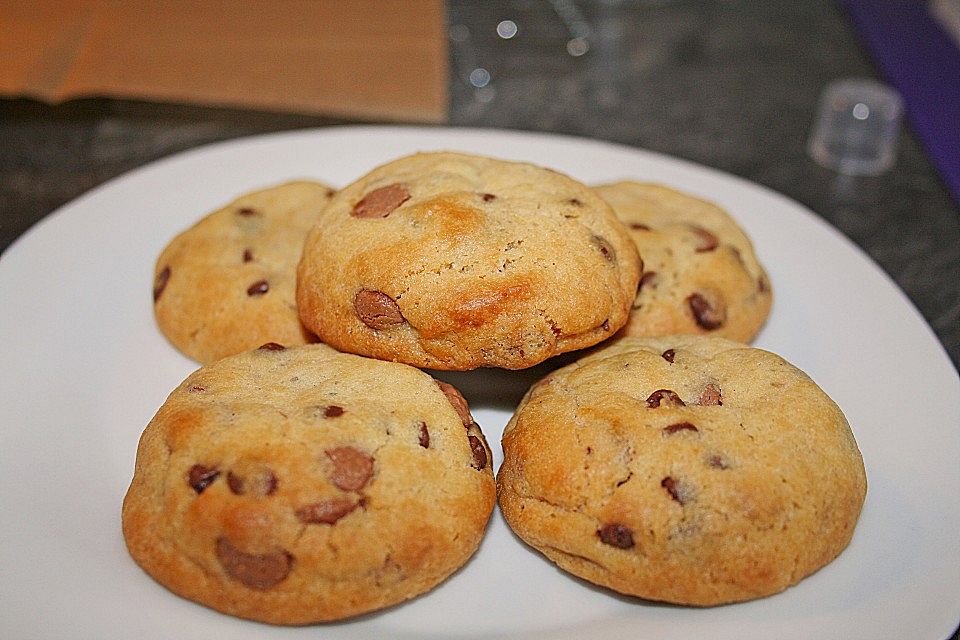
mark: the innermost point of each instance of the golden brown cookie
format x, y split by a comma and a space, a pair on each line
300, 485
700, 271
227, 284
686, 469
452, 261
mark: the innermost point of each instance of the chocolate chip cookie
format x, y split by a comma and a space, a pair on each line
687, 469
227, 284
299, 485
453, 261
701, 274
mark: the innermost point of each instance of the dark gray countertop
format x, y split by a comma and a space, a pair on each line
732, 85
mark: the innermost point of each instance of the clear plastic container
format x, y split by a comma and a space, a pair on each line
857, 127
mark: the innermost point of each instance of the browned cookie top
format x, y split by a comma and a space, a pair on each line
299, 485
453, 261
227, 284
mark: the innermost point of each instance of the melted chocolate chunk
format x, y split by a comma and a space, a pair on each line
258, 288
201, 477
260, 483
706, 241
709, 316
646, 279
423, 437
680, 426
675, 489
258, 571
333, 411
616, 535
160, 282
352, 468
457, 401
710, 395
381, 202
377, 310
326, 511
664, 397
479, 452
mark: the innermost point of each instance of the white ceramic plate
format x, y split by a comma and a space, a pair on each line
84, 370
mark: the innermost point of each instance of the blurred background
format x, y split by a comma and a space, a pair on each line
92, 89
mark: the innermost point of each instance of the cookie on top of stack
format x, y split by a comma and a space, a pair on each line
453, 261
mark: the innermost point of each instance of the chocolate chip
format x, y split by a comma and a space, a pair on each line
352, 468
326, 511
247, 255
708, 315
381, 202
377, 310
257, 571
762, 285
197, 388
260, 483
479, 452
664, 397
605, 248
679, 426
424, 436
235, 483
616, 535
160, 282
706, 241
332, 411
674, 488
487, 197
646, 279
258, 288
458, 402
639, 226
710, 395
271, 346
201, 477
575, 202
246, 211
718, 462
668, 355
605, 325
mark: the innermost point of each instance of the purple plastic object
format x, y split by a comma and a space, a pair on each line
915, 55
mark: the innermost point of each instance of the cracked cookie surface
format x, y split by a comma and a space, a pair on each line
227, 284
686, 469
452, 261
701, 275
301, 485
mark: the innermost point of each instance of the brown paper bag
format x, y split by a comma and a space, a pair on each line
369, 59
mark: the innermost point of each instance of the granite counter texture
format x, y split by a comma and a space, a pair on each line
733, 85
